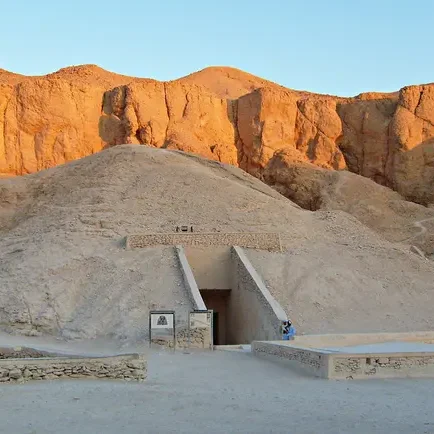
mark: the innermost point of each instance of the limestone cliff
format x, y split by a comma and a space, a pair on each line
222, 114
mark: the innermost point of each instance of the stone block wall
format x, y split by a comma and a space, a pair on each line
261, 241
129, 367
186, 338
390, 365
347, 366
309, 361
195, 338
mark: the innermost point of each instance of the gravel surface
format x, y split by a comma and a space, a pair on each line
219, 392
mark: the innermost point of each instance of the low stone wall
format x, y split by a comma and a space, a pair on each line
261, 241
185, 338
129, 367
196, 338
395, 365
312, 362
344, 365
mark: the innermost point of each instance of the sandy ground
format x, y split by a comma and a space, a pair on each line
91, 347
220, 392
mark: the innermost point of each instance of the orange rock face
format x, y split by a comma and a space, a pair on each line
222, 114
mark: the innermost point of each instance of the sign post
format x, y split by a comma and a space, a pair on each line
200, 329
162, 328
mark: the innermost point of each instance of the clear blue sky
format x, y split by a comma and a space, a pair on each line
330, 46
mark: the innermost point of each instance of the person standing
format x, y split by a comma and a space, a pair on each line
288, 331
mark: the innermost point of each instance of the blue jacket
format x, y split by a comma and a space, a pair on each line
291, 331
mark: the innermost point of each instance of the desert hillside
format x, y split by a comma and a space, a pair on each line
376, 206
222, 114
64, 269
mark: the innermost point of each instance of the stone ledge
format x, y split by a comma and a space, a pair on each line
260, 241
127, 367
310, 361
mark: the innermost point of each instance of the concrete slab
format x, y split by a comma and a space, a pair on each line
385, 347
242, 348
359, 356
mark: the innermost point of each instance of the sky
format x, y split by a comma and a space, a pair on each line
340, 47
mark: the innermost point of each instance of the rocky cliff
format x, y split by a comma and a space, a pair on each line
222, 114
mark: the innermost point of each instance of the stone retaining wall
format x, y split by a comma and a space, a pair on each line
261, 241
312, 362
185, 338
195, 338
129, 367
389, 365
345, 365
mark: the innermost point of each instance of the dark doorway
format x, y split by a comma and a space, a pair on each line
215, 323
217, 301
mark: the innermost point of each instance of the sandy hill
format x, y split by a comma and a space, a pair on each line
64, 269
376, 206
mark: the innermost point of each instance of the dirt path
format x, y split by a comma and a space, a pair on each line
423, 230
220, 392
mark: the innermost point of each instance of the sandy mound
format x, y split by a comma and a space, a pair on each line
64, 269
329, 288
376, 206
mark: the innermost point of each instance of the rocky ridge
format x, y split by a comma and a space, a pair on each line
222, 114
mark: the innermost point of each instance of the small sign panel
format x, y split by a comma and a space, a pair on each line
161, 320
162, 328
200, 320
200, 327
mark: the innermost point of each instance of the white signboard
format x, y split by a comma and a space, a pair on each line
162, 320
200, 320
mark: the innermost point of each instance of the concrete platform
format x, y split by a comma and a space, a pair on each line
356, 356
243, 348
386, 347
